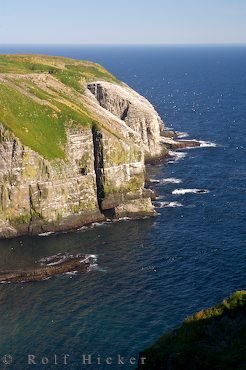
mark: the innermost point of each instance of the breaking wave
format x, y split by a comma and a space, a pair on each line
58, 258
46, 234
186, 191
207, 144
181, 135
168, 204
176, 156
168, 180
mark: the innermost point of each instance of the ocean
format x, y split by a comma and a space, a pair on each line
149, 274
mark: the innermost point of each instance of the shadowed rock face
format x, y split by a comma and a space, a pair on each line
47, 268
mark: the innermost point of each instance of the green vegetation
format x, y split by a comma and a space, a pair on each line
68, 71
20, 220
35, 125
40, 96
131, 186
211, 339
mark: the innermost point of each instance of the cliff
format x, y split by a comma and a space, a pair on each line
211, 339
73, 145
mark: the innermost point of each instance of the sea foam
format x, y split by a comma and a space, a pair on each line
207, 144
168, 180
181, 135
176, 156
186, 191
46, 234
168, 204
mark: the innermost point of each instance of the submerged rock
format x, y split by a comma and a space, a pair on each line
47, 268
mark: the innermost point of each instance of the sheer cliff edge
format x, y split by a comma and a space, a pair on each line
73, 145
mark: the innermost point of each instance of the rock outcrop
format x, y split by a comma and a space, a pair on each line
92, 165
47, 268
179, 144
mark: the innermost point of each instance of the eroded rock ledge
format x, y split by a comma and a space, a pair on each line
47, 268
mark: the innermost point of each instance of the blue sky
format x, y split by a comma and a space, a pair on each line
122, 21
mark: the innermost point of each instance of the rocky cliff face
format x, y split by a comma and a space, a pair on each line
134, 110
102, 177
102, 171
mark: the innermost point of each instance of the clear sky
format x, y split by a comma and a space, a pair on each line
122, 21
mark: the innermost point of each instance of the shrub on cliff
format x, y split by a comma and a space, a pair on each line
214, 338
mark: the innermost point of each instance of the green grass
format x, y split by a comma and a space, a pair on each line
14, 64
211, 339
68, 71
38, 126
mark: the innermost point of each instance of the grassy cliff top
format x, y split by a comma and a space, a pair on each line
69, 71
41, 95
211, 339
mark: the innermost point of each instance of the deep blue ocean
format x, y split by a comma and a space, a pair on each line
152, 273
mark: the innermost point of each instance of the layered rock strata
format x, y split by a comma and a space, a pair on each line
102, 174
134, 110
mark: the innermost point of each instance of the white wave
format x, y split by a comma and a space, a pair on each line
61, 257
169, 205
177, 155
207, 144
203, 144
154, 181
96, 224
93, 266
57, 262
84, 228
70, 273
181, 135
91, 258
186, 191
46, 234
94, 256
168, 180
93, 225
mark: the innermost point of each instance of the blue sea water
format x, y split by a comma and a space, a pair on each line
150, 273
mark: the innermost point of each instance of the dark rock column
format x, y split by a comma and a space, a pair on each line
98, 164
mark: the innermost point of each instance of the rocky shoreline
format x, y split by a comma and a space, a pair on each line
137, 208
